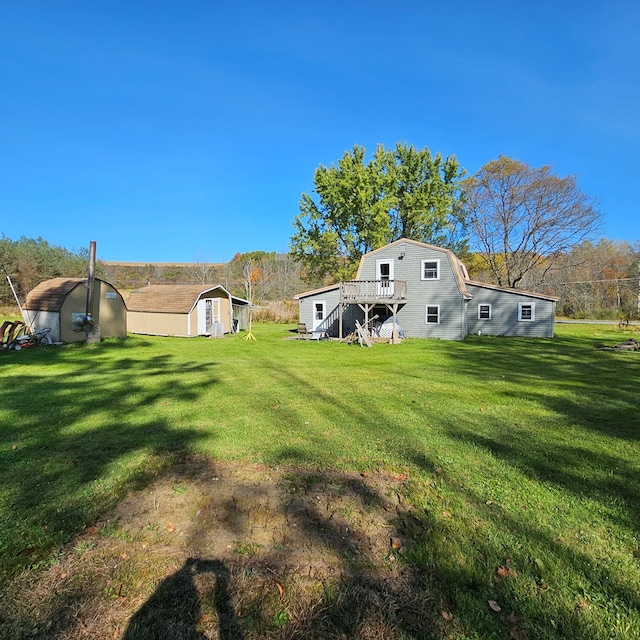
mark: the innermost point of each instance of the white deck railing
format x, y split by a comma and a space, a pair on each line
373, 290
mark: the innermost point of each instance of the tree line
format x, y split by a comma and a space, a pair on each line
259, 276
512, 224
28, 261
593, 280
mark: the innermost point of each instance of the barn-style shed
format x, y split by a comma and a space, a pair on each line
59, 303
185, 310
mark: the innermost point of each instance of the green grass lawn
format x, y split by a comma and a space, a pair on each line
523, 456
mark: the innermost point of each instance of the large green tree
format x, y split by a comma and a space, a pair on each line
523, 219
359, 206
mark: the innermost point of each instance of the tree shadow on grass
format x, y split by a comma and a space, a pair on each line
357, 600
75, 444
551, 601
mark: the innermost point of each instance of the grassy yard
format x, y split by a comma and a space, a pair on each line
521, 457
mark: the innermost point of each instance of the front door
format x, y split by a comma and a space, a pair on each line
384, 278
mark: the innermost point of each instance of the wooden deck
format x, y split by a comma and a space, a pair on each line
372, 291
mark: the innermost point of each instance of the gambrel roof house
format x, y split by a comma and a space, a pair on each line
426, 291
185, 310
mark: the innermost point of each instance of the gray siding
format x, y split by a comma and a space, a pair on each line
504, 313
456, 297
443, 292
330, 298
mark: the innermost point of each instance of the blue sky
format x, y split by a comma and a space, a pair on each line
184, 131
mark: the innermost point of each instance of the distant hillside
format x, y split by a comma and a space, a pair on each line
192, 265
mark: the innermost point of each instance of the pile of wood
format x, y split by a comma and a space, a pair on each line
627, 345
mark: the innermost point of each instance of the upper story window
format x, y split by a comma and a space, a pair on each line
526, 311
430, 270
484, 312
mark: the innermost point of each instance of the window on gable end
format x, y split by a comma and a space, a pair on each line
430, 270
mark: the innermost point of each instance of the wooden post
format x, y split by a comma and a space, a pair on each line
394, 332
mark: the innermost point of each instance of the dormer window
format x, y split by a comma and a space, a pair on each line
430, 270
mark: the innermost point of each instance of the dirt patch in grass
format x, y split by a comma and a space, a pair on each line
228, 551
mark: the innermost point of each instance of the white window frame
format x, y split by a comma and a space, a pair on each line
437, 263
426, 317
523, 305
480, 306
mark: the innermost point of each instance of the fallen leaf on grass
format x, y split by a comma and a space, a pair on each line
396, 543
446, 514
447, 615
494, 605
280, 590
504, 572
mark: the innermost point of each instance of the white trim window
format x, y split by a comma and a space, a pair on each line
526, 311
433, 314
430, 269
484, 312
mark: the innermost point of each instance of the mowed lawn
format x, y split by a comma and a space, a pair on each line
522, 455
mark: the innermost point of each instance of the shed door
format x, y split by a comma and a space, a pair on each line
208, 314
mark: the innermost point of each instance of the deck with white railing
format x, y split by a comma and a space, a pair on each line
372, 291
